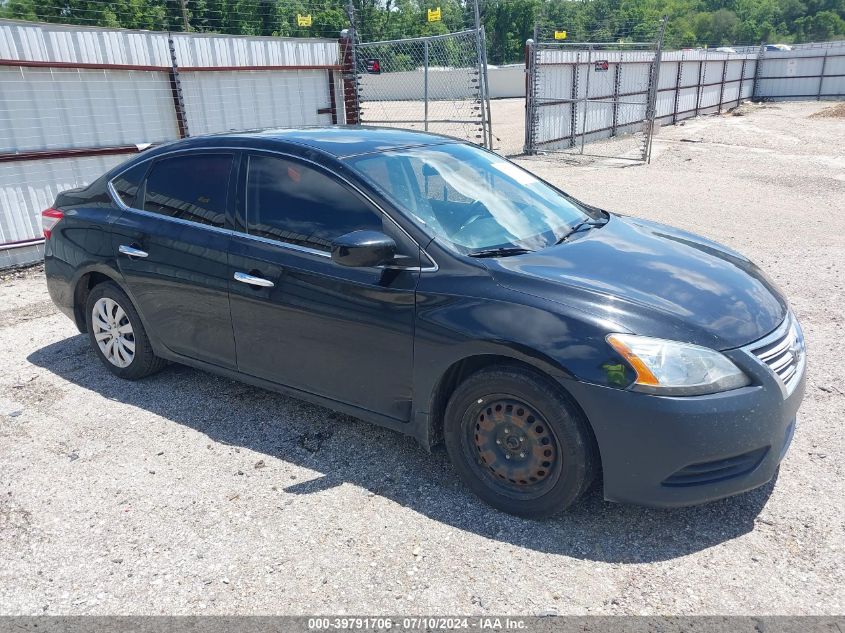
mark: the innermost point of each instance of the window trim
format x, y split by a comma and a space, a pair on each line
147, 164
295, 247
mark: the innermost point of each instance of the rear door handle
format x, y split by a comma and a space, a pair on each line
131, 251
253, 281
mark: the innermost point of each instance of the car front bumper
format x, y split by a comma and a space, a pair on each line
676, 451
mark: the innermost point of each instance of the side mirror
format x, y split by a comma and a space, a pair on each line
363, 249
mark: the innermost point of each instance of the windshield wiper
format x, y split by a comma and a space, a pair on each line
502, 251
581, 226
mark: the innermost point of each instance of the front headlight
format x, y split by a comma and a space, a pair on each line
672, 368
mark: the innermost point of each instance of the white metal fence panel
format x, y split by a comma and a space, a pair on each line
53, 108
689, 83
33, 185
225, 51
579, 95
81, 45
506, 81
245, 100
833, 83
810, 72
75, 100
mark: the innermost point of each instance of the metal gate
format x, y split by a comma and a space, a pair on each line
436, 83
598, 94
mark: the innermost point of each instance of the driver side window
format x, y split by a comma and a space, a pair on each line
292, 202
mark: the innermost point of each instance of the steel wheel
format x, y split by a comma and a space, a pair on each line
113, 332
517, 440
512, 447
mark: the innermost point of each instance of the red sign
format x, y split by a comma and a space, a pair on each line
602, 65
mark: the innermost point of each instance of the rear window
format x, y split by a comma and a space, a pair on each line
126, 184
191, 187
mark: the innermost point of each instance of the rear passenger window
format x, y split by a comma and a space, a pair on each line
291, 202
190, 188
126, 184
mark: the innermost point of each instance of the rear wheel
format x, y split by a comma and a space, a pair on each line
518, 442
117, 335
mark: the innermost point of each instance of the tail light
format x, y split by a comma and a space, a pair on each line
49, 219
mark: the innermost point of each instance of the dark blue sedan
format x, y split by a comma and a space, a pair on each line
440, 290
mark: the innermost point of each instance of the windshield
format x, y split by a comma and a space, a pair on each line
470, 198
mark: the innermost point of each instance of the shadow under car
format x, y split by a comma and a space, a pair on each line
347, 450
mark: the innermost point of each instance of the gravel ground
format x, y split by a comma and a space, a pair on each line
189, 493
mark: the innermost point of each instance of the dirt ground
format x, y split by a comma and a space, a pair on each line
189, 493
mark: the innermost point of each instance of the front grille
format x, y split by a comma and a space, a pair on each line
718, 470
783, 352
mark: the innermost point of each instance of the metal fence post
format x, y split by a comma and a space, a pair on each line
586, 97
678, 89
757, 67
573, 114
530, 95
617, 76
352, 46
176, 90
821, 76
741, 81
425, 83
651, 111
486, 117
701, 66
722, 88
482, 36
351, 106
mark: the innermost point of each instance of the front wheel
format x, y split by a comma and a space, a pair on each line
518, 442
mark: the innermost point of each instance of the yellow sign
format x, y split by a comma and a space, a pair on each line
434, 15
303, 20
560, 35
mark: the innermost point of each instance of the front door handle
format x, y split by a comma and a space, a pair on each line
131, 251
253, 281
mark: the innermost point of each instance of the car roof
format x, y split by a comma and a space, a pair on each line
340, 141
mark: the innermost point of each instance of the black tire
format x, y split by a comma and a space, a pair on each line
144, 362
518, 441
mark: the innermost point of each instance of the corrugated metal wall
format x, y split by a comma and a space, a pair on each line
807, 72
708, 82
245, 100
75, 101
574, 96
64, 108
576, 93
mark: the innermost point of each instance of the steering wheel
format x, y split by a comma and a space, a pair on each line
477, 211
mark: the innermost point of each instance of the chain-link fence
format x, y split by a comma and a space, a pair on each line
435, 83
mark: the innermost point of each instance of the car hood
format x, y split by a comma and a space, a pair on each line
653, 280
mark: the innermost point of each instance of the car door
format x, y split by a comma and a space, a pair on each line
330, 330
171, 245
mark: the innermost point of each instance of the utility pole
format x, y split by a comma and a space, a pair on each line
185, 15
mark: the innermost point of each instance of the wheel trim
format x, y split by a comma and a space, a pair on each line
113, 332
512, 447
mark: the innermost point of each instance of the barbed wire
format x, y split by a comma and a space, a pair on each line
507, 24
279, 18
